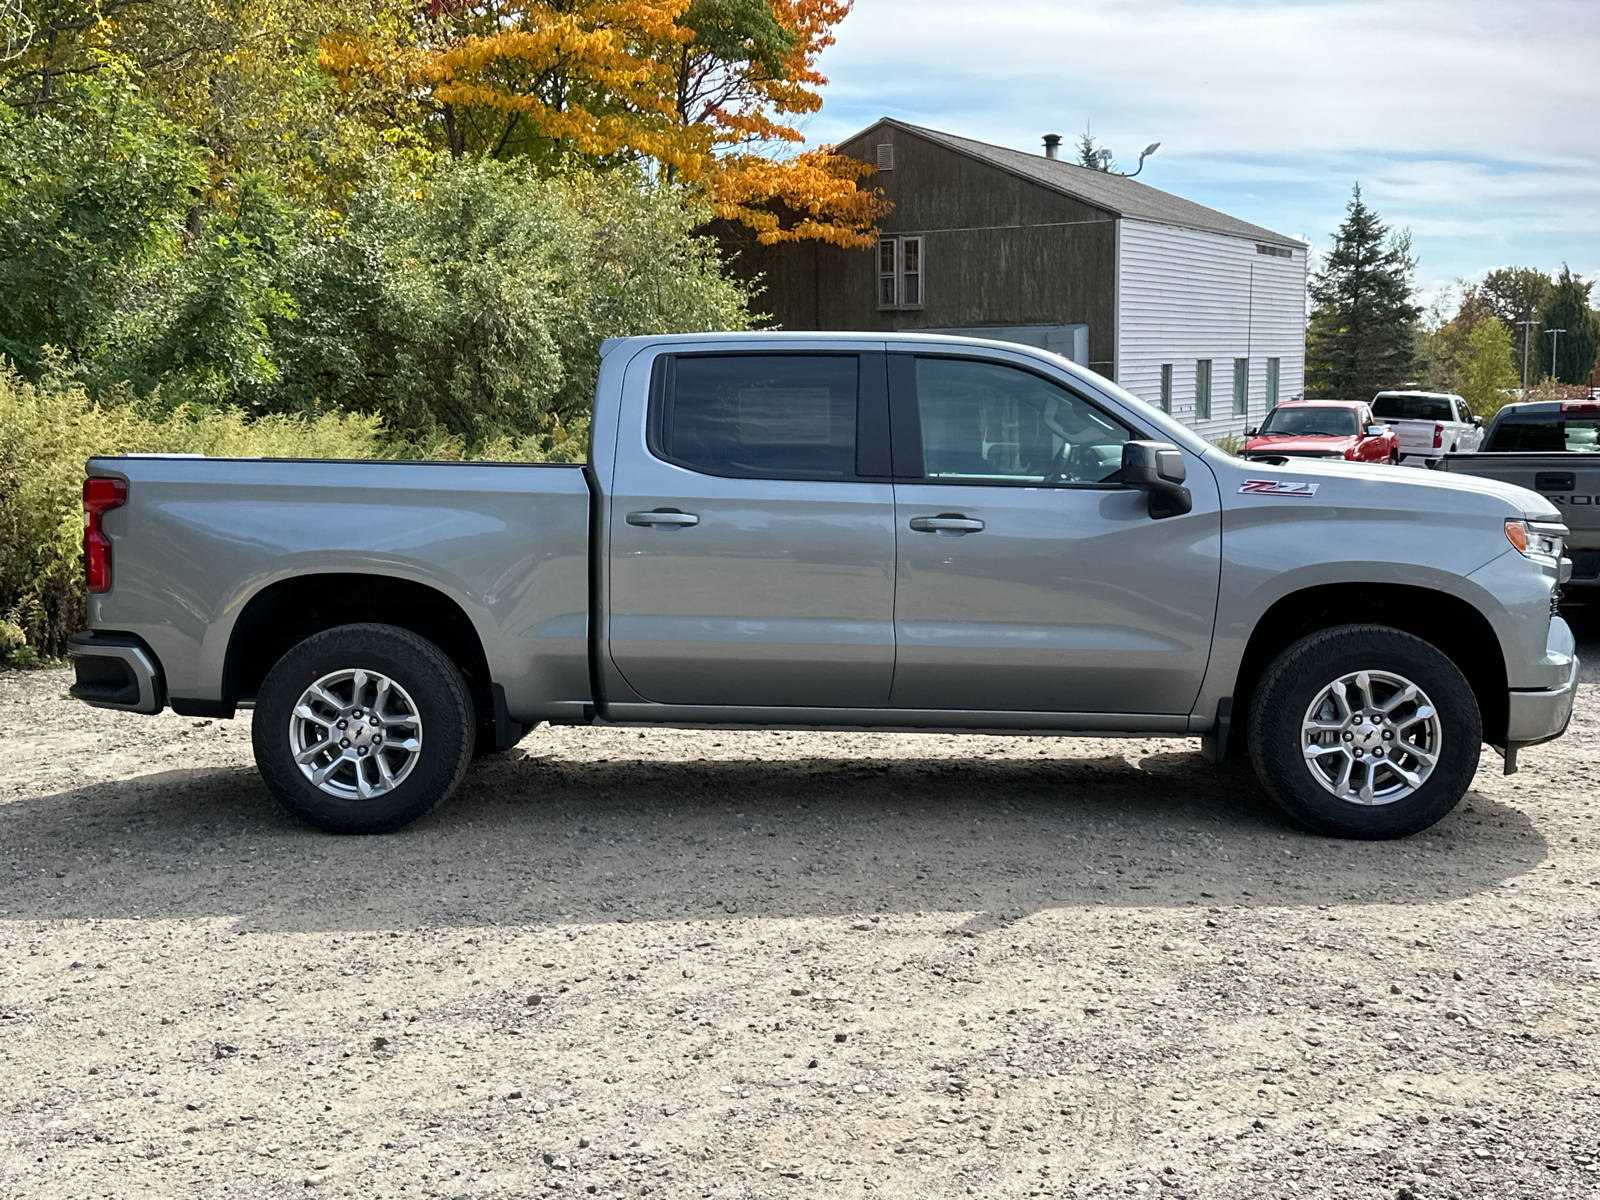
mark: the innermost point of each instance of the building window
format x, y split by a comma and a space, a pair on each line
1202, 389
1272, 381
885, 156
1166, 387
1241, 387
900, 272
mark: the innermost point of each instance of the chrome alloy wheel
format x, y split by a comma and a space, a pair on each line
355, 734
1371, 737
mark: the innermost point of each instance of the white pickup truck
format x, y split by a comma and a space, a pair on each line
1430, 424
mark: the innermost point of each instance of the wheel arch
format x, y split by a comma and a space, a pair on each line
287, 612
1449, 623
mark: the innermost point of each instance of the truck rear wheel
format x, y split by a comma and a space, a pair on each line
363, 728
1363, 731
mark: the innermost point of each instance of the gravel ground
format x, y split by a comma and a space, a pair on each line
788, 965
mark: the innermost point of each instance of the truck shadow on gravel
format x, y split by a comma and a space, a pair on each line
530, 841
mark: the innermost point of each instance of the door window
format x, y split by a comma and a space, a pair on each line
983, 422
758, 416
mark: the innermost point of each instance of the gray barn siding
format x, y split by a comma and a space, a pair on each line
999, 250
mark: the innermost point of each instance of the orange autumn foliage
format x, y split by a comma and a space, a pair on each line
697, 87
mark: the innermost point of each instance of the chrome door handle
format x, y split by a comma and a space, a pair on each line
671, 519
947, 524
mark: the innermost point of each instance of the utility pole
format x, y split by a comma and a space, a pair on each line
1525, 330
1555, 337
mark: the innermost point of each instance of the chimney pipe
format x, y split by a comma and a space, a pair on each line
1052, 145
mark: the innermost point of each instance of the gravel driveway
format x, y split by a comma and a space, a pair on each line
785, 964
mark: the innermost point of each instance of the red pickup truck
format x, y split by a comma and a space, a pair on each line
1322, 429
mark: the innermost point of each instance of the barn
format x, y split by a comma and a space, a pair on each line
1190, 309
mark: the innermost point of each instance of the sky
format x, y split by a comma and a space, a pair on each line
1475, 124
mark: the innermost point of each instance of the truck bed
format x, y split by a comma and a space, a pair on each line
199, 537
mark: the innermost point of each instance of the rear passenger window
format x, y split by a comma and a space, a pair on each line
758, 416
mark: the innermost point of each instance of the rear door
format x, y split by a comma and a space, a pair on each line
752, 533
1030, 579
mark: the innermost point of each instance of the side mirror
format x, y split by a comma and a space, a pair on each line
1157, 468
1252, 432
1377, 430
1477, 420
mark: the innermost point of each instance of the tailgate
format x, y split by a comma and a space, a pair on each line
1418, 437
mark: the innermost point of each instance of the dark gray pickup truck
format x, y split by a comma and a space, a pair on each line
847, 532
1551, 447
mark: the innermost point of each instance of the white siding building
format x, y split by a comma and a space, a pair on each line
1210, 327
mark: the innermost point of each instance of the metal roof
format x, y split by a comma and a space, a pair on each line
1116, 193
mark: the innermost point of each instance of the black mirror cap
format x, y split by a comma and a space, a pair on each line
1152, 466
1249, 433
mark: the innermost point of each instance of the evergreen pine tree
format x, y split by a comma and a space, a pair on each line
1362, 337
1567, 307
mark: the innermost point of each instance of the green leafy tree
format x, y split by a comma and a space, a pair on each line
471, 300
1515, 295
1488, 373
1362, 334
88, 201
1567, 308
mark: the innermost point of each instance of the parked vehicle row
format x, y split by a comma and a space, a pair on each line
839, 531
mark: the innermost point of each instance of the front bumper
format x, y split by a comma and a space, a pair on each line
1541, 714
116, 670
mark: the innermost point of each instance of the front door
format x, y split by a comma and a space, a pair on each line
751, 548
1029, 578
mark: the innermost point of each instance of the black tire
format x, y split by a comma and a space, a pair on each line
1299, 676
427, 678
1394, 458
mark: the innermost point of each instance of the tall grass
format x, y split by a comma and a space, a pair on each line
48, 430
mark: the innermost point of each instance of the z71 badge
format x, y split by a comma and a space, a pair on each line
1276, 487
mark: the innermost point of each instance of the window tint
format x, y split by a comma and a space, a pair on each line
760, 416
1310, 421
988, 423
1413, 408
1546, 432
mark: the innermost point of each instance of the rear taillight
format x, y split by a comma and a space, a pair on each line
1438, 436
100, 496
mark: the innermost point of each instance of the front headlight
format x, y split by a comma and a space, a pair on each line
1541, 541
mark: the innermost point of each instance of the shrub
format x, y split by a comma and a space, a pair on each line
48, 430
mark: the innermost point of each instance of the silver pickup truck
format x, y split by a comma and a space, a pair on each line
841, 532
1551, 447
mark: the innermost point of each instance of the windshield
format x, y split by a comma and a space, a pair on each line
1310, 422
1412, 408
1544, 432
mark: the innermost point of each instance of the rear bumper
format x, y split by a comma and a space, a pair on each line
116, 670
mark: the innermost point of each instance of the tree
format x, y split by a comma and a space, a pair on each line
1567, 308
1362, 334
471, 299
1488, 374
697, 89
1515, 295
1094, 156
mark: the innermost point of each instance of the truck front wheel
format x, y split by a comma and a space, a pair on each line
1363, 731
363, 728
